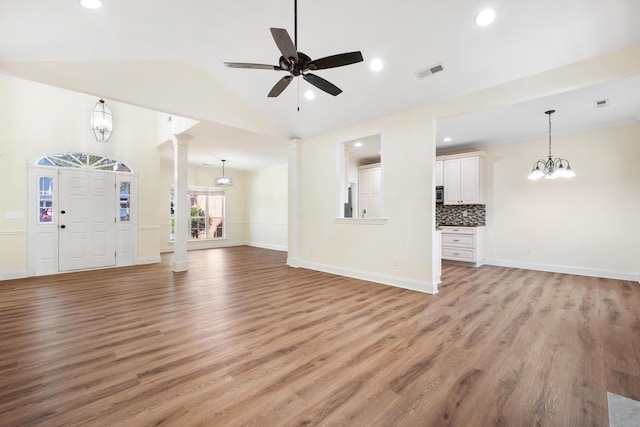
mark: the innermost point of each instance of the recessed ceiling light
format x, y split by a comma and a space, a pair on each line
446, 139
485, 17
91, 4
376, 64
358, 144
309, 94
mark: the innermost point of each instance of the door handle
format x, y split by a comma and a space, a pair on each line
63, 226
63, 212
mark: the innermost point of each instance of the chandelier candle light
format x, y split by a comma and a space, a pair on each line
551, 168
101, 121
221, 181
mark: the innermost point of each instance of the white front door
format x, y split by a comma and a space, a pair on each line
86, 220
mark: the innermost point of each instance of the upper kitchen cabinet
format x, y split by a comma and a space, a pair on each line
463, 179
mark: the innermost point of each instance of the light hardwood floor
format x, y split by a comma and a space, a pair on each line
241, 339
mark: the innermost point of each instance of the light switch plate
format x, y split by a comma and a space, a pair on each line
14, 214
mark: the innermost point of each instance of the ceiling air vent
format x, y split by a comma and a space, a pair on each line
601, 103
426, 72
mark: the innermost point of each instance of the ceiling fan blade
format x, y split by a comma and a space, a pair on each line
253, 66
280, 86
284, 43
322, 84
336, 61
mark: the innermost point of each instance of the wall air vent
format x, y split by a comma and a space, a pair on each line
601, 103
426, 72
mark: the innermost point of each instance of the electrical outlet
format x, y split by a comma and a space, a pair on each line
528, 250
464, 213
395, 262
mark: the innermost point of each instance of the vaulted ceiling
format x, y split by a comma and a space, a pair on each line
168, 55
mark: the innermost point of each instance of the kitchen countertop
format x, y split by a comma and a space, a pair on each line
462, 225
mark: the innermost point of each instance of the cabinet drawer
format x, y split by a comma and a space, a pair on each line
457, 230
459, 254
467, 240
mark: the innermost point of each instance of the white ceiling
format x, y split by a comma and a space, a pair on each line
574, 111
526, 38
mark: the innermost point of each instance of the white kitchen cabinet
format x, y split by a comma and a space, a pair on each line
463, 244
369, 191
463, 180
439, 178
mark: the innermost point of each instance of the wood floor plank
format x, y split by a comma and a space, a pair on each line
242, 339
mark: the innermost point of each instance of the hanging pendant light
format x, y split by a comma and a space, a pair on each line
551, 168
101, 121
223, 181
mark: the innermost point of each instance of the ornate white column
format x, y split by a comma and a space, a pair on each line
294, 254
181, 208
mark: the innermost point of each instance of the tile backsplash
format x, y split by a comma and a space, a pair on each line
454, 214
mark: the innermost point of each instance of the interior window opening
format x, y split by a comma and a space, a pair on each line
361, 178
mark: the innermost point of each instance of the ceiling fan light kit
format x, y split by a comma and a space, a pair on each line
551, 168
297, 63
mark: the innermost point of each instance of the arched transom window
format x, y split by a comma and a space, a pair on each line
83, 161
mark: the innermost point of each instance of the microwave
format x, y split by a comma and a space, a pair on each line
439, 194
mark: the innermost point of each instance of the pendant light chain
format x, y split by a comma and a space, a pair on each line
549, 114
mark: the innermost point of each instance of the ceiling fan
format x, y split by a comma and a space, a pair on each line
298, 64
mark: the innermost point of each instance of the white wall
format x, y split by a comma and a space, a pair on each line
267, 207
587, 224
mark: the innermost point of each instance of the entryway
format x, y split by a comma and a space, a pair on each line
82, 214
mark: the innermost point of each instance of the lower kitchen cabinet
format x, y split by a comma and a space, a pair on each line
463, 244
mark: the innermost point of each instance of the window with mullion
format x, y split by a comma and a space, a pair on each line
206, 214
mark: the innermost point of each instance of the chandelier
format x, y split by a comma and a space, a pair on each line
223, 181
551, 168
101, 121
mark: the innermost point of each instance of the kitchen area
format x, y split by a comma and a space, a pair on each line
460, 208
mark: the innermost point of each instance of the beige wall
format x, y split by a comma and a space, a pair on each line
267, 207
37, 120
588, 224
370, 250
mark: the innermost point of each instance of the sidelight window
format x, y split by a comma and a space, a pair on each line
45, 199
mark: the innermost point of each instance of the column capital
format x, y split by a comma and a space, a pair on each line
294, 143
181, 139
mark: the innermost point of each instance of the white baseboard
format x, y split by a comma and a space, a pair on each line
399, 282
294, 262
268, 246
566, 269
180, 266
195, 245
150, 260
10, 275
